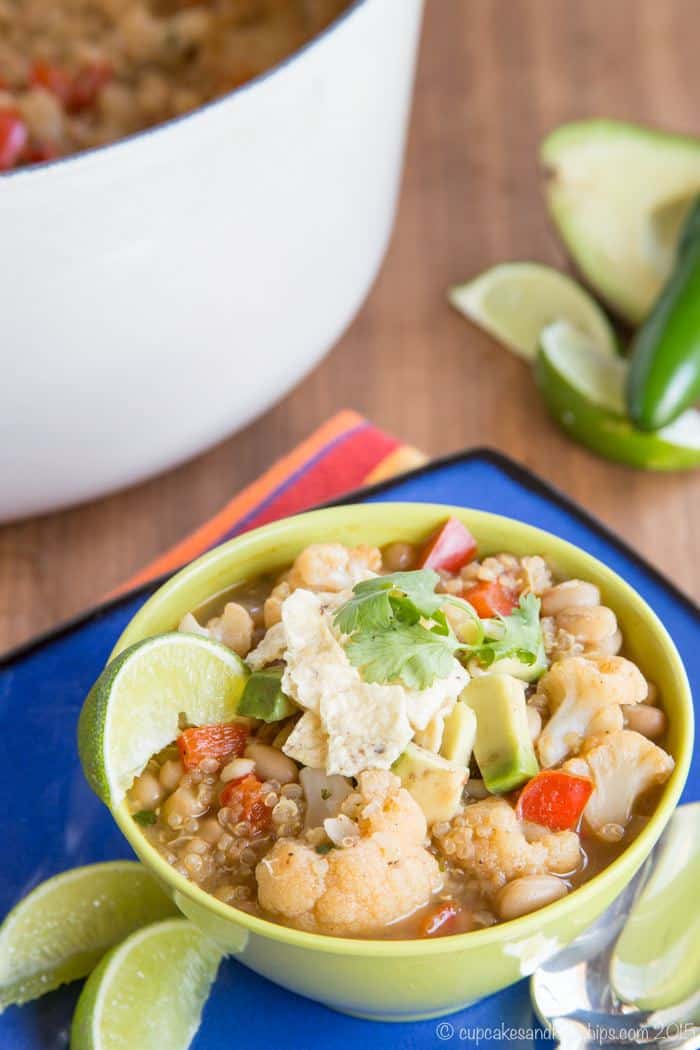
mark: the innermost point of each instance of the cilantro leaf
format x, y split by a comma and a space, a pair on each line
518, 635
419, 587
389, 639
368, 609
378, 602
410, 652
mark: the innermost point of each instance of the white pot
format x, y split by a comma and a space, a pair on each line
159, 293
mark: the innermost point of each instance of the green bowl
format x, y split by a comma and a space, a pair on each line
393, 980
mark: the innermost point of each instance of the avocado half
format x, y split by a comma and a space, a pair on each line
618, 194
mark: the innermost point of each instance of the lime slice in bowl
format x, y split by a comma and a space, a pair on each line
61, 930
149, 992
584, 392
513, 302
133, 709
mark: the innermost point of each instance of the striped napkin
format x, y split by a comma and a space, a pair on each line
343, 454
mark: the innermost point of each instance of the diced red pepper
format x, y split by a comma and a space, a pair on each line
76, 91
489, 598
440, 920
86, 85
52, 78
554, 799
246, 792
450, 548
13, 138
215, 741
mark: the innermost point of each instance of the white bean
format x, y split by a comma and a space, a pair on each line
271, 764
568, 595
145, 792
183, 804
210, 830
652, 696
171, 773
587, 624
527, 894
234, 628
650, 721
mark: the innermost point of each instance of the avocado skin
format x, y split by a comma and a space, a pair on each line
664, 376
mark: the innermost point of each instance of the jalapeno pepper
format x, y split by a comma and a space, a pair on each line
664, 376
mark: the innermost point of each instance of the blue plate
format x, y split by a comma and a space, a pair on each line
52, 821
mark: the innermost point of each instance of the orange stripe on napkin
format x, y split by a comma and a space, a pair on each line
343, 454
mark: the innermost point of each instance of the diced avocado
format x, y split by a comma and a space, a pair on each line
512, 666
435, 783
502, 746
263, 697
458, 735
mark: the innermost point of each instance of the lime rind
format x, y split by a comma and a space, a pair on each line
133, 709
148, 992
599, 378
584, 392
60, 930
513, 302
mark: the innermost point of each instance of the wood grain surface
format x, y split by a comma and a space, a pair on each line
494, 76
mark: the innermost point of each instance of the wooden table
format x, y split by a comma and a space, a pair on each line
494, 76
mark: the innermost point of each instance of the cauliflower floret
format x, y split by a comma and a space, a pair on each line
291, 878
584, 696
622, 765
487, 840
234, 628
333, 567
357, 889
328, 567
535, 574
269, 650
272, 609
382, 805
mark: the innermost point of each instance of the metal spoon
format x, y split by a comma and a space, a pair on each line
633, 978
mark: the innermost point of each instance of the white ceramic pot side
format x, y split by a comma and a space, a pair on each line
160, 293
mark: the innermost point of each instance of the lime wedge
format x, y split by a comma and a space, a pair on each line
584, 391
63, 928
149, 992
132, 710
513, 302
